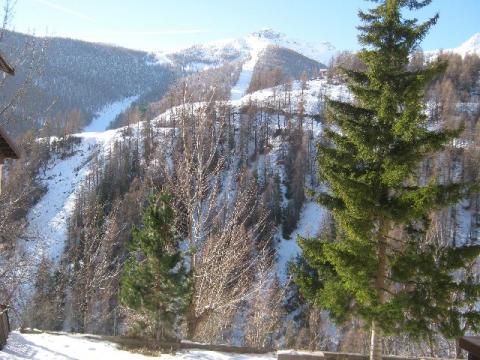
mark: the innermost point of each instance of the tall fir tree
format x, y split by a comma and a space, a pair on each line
380, 267
155, 278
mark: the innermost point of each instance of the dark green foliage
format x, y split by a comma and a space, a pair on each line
381, 266
155, 278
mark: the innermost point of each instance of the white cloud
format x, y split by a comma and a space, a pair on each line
162, 32
66, 10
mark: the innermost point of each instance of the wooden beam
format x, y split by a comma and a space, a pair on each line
8, 149
471, 344
5, 67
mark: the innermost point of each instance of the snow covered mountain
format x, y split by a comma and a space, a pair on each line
74, 75
469, 47
214, 54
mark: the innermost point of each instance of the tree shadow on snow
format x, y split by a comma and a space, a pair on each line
20, 347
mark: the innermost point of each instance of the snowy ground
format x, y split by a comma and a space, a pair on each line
256, 46
309, 225
72, 347
102, 120
63, 178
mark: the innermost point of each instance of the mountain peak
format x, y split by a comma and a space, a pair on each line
268, 33
471, 46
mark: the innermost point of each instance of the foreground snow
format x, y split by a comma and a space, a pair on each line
70, 347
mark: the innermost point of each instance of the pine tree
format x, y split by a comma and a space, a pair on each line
155, 278
380, 267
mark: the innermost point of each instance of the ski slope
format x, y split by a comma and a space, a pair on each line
104, 118
256, 46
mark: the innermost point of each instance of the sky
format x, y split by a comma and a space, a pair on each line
155, 25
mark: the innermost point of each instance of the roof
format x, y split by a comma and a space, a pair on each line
5, 67
7, 147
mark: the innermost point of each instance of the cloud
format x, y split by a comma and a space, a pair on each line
66, 10
163, 32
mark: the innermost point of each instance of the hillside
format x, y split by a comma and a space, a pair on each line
470, 47
204, 56
56, 76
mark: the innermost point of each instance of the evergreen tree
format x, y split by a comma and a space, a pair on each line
155, 278
381, 267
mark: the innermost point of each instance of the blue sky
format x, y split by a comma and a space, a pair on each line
167, 24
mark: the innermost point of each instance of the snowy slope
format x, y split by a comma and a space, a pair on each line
105, 116
255, 47
63, 178
469, 47
72, 347
214, 54
309, 225
312, 97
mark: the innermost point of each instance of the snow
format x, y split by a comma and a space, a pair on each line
301, 352
256, 47
213, 54
61, 346
63, 178
105, 116
319, 51
312, 97
469, 47
48, 218
309, 225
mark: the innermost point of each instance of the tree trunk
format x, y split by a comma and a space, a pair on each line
375, 343
158, 326
191, 322
376, 337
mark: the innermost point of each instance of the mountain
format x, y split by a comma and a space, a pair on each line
214, 54
277, 65
58, 75
469, 47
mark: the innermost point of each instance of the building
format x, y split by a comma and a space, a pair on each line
7, 147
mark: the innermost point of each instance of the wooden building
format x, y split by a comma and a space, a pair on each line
5, 67
7, 147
